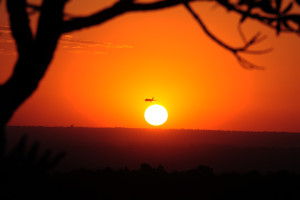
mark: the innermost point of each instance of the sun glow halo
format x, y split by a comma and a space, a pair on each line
156, 115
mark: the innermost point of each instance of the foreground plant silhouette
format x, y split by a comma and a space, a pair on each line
35, 52
24, 172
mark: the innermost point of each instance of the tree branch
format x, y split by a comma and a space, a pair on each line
117, 9
19, 24
235, 51
267, 20
94, 19
50, 23
33, 8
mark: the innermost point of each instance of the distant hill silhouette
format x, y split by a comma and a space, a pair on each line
175, 149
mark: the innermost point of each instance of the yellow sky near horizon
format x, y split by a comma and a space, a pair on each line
100, 75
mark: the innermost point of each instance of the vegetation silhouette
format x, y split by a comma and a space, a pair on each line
24, 173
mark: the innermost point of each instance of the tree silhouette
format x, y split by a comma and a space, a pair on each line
35, 52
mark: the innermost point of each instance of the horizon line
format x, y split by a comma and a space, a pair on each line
156, 128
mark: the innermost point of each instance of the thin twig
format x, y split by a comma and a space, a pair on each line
235, 51
242, 33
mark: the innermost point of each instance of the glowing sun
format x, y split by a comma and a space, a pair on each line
156, 115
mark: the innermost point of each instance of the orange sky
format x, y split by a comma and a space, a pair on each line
100, 76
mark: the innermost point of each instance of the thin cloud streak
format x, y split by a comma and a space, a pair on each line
68, 42
4, 29
74, 45
7, 52
7, 46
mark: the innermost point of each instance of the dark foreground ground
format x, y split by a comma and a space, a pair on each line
249, 165
149, 183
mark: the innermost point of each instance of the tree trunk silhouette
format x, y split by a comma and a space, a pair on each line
35, 54
2, 141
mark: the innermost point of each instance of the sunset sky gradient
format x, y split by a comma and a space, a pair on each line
100, 75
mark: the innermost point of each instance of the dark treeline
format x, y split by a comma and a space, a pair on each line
157, 183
